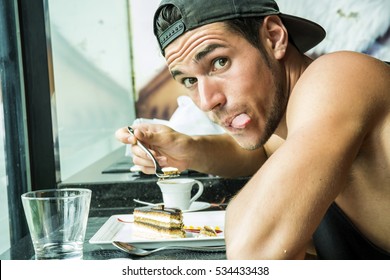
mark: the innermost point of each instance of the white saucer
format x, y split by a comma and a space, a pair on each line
197, 206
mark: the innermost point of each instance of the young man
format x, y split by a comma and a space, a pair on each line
314, 134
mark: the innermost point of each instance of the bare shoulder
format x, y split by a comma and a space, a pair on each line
349, 69
347, 56
342, 84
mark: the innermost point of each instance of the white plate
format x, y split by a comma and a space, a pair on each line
120, 228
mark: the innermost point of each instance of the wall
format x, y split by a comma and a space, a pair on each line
356, 25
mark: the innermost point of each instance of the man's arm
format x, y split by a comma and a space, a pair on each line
276, 213
221, 155
212, 154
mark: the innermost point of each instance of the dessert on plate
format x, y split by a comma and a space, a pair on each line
153, 222
207, 231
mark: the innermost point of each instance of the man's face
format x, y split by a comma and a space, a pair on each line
228, 79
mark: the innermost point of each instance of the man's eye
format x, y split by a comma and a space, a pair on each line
189, 82
220, 63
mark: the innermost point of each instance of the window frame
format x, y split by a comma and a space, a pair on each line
26, 89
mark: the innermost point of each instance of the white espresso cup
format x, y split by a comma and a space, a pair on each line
177, 192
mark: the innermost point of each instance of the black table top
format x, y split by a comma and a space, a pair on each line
24, 249
117, 198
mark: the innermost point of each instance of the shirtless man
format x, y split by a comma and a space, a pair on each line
314, 135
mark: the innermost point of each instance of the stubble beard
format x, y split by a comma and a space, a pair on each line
274, 116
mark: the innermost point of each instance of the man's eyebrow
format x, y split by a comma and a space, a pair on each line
207, 50
175, 73
199, 56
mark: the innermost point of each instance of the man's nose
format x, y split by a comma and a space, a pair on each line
211, 94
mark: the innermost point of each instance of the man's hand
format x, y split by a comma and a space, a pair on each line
168, 146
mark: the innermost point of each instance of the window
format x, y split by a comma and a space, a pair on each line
88, 80
93, 87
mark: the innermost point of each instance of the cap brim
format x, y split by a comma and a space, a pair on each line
304, 33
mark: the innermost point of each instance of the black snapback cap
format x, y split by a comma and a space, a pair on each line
304, 33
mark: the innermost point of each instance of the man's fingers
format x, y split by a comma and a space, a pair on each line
124, 136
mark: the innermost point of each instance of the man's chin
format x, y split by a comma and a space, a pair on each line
246, 142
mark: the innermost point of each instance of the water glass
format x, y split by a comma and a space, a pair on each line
57, 220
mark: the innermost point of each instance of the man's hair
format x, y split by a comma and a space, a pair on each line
247, 27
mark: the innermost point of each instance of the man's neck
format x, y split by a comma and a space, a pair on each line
295, 64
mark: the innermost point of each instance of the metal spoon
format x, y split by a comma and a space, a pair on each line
131, 249
146, 203
157, 168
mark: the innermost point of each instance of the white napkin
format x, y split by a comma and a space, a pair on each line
190, 120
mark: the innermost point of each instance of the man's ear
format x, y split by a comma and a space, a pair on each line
275, 35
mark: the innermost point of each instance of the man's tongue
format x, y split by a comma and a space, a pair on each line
240, 121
